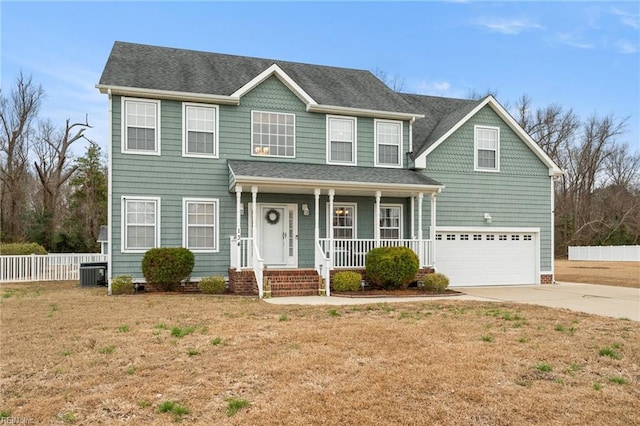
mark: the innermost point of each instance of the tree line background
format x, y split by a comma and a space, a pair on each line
49, 197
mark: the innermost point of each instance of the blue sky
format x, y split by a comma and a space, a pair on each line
581, 55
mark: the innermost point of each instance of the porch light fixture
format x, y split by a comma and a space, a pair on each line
487, 217
305, 209
341, 211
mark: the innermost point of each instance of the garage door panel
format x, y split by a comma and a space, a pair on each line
492, 258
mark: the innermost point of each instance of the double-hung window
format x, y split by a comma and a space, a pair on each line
273, 134
141, 228
344, 221
200, 225
390, 222
487, 148
341, 140
388, 136
200, 130
141, 126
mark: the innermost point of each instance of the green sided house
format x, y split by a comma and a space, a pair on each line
277, 174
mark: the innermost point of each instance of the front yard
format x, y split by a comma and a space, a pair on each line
75, 356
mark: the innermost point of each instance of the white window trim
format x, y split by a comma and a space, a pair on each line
123, 116
216, 153
216, 224
123, 221
355, 140
400, 147
294, 134
475, 149
329, 216
401, 230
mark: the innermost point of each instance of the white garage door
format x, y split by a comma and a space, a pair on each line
496, 257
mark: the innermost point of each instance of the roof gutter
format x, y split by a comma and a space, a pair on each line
167, 94
332, 109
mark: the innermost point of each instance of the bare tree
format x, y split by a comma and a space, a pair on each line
395, 82
17, 114
54, 168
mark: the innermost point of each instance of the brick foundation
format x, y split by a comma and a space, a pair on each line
546, 279
242, 282
189, 287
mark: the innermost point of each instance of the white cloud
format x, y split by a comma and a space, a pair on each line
435, 88
573, 40
625, 46
629, 19
509, 26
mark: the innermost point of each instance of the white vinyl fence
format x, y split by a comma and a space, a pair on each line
606, 253
49, 267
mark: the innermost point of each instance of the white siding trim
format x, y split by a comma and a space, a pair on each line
283, 77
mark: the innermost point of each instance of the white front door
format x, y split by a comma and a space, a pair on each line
278, 235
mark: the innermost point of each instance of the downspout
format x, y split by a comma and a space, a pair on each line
110, 193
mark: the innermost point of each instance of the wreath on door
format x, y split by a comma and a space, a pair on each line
272, 216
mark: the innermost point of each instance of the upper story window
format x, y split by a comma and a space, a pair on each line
487, 148
341, 140
344, 220
141, 228
388, 136
273, 134
391, 223
201, 225
141, 126
200, 127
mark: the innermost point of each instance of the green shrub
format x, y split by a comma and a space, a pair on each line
346, 281
392, 267
21, 249
436, 282
165, 267
212, 285
122, 284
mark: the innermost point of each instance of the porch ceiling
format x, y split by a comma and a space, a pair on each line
296, 178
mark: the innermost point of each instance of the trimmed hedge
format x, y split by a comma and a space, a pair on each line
436, 282
122, 284
21, 249
346, 281
392, 267
165, 267
212, 285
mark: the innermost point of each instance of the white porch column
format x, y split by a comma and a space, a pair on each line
432, 231
316, 229
332, 194
413, 216
238, 207
254, 214
376, 218
420, 198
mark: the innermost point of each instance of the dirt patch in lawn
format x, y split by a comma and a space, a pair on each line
623, 274
76, 356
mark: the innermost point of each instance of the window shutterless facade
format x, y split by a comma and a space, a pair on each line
200, 127
388, 136
487, 148
140, 126
341, 140
141, 224
344, 220
200, 232
273, 134
391, 222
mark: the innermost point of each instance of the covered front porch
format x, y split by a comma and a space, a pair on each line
324, 218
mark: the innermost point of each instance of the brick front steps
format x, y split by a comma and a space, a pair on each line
292, 282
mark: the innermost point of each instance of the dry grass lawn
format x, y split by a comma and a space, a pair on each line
625, 274
76, 356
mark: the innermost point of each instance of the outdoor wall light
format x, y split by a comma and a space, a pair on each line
305, 209
487, 217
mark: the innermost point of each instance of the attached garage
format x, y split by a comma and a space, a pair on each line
488, 256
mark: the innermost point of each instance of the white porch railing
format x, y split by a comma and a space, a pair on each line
351, 253
323, 266
258, 267
48, 267
245, 255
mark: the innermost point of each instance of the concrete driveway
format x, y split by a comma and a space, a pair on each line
616, 302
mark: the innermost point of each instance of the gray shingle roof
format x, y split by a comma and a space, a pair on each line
162, 68
321, 172
441, 114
